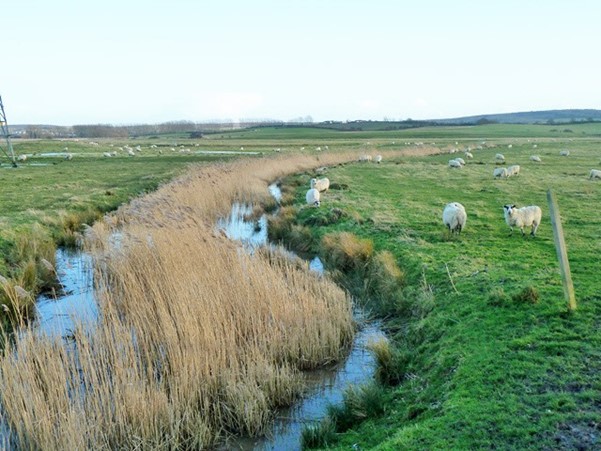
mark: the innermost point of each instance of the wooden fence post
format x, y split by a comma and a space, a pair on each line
562, 254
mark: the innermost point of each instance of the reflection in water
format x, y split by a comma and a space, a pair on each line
75, 273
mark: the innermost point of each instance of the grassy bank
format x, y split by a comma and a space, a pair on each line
484, 354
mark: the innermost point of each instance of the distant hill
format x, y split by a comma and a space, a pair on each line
527, 117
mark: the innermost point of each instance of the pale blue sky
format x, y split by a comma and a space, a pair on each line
71, 62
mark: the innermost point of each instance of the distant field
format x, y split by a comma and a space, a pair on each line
487, 365
560, 132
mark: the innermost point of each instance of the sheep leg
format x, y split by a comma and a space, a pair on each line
534, 229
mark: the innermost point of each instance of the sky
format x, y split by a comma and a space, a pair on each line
67, 62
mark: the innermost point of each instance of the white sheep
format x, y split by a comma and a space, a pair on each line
500, 158
500, 173
378, 159
22, 157
69, 156
595, 174
320, 185
364, 158
454, 164
107, 155
131, 153
454, 217
312, 197
523, 217
469, 155
535, 158
510, 146
564, 153
460, 160
513, 170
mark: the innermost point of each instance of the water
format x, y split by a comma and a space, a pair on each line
75, 273
225, 152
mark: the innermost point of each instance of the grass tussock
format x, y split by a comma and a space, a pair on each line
529, 295
346, 252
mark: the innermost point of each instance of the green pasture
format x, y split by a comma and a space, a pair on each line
492, 358
488, 131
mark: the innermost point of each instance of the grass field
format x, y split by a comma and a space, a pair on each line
490, 358
558, 132
483, 353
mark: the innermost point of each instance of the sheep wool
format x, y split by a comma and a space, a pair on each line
513, 170
454, 164
500, 173
523, 217
312, 197
595, 174
535, 158
454, 217
320, 184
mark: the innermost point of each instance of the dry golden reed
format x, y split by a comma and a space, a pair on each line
195, 338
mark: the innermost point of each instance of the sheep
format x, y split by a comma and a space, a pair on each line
364, 158
378, 159
460, 160
69, 156
454, 217
564, 153
454, 164
510, 146
513, 170
22, 157
131, 153
320, 185
523, 217
469, 155
535, 158
312, 197
595, 174
500, 173
500, 158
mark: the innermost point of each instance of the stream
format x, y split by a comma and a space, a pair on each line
325, 386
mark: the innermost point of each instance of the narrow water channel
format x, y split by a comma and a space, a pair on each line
324, 386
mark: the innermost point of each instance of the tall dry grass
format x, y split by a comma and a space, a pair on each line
195, 338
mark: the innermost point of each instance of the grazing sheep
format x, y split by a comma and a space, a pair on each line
460, 160
454, 164
107, 155
500, 158
378, 159
22, 157
364, 158
523, 217
535, 158
320, 185
595, 174
469, 155
500, 173
454, 217
312, 197
510, 146
69, 156
131, 153
564, 153
513, 170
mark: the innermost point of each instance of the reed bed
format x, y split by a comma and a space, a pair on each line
195, 338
